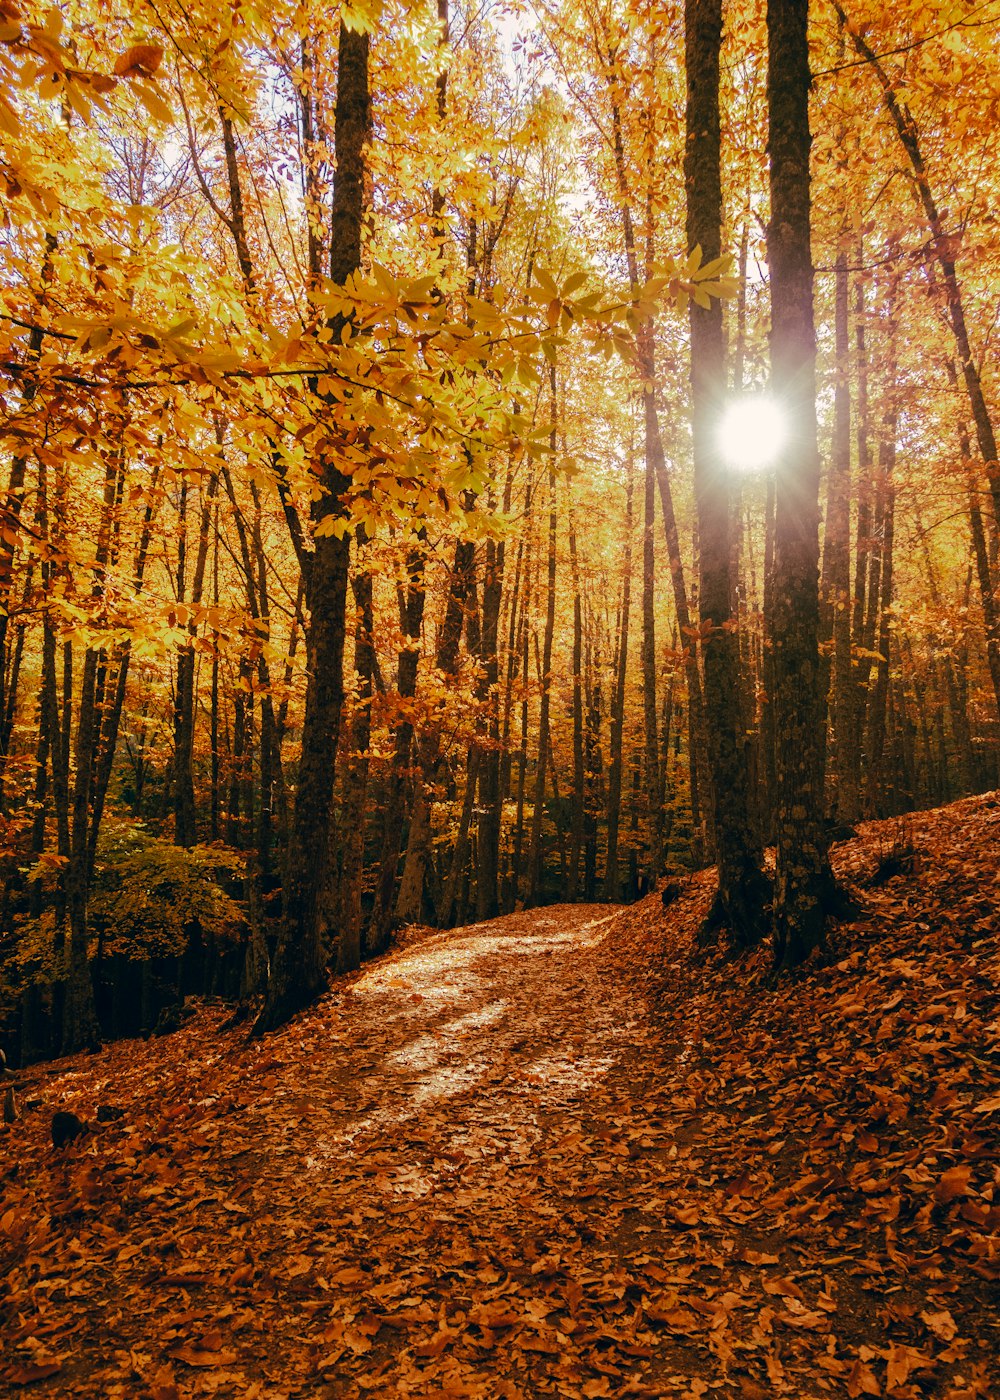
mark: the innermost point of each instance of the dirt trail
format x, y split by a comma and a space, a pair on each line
458, 1129
428, 1186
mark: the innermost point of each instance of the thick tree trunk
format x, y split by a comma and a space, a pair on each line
299, 971
804, 884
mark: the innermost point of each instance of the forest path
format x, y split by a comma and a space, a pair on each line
453, 1156
442, 1181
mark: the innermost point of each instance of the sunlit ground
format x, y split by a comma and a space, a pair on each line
470, 1066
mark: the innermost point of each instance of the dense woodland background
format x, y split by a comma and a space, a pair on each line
485, 444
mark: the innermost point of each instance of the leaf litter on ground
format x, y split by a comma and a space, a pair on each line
564, 1153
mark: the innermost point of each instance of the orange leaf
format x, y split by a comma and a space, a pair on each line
34, 1371
143, 59
193, 1356
954, 1182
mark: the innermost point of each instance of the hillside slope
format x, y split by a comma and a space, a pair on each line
558, 1154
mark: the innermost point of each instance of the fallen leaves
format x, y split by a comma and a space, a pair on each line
483, 1168
33, 1371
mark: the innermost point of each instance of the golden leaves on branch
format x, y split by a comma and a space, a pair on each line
38, 54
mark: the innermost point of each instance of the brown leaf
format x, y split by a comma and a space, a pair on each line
33, 1371
862, 1381
750, 1390
195, 1356
143, 59
954, 1182
942, 1324
899, 1366
436, 1345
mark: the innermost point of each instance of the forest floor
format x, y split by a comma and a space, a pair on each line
555, 1154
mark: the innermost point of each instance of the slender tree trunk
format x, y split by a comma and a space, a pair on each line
450, 896
395, 810
535, 850
80, 1027
490, 800
356, 776
906, 130
985, 574
409, 903
768, 733
836, 579
742, 891
877, 718
593, 761
849, 807
522, 756
579, 767
185, 828
611, 882
10, 516
649, 709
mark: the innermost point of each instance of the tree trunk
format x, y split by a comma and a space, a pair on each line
185, 830
535, 850
742, 891
611, 883
906, 130
579, 769
356, 777
412, 609
803, 887
298, 974
836, 579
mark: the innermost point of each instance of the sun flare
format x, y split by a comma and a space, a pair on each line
752, 432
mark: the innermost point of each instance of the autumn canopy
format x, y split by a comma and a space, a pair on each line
457, 460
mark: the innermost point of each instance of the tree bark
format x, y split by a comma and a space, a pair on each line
742, 890
612, 888
298, 974
836, 579
579, 770
535, 849
804, 883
